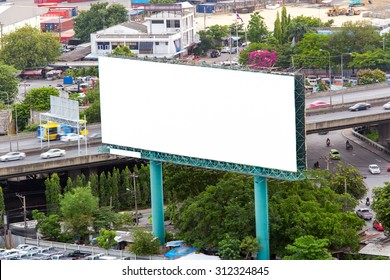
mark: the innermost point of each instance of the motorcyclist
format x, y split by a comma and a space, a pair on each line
328, 142
317, 164
347, 143
367, 201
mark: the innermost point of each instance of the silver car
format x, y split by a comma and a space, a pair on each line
13, 156
386, 106
53, 153
364, 213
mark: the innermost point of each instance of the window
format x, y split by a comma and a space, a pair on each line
168, 24
157, 21
157, 43
103, 45
177, 23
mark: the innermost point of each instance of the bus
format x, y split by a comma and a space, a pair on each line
49, 131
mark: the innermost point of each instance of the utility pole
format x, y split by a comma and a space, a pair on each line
23, 201
134, 175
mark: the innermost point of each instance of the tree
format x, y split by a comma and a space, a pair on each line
144, 243
123, 51
53, 194
92, 113
8, 84
106, 239
229, 248
359, 37
299, 26
104, 196
284, 26
49, 227
369, 76
249, 245
308, 52
125, 189
30, 47
308, 247
257, 30
278, 29
200, 221
262, 59
103, 217
77, 208
39, 98
69, 185
303, 208
94, 184
182, 182
381, 204
98, 17
347, 179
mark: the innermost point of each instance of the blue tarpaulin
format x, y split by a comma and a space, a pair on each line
179, 252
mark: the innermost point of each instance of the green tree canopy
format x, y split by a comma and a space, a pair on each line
359, 37
30, 47
77, 208
106, 239
257, 30
144, 243
303, 208
49, 227
123, 51
98, 17
227, 207
8, 84
308, 247
308, 52
39, 98
381, 204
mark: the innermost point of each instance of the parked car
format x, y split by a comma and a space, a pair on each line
215, 53
364, 213
319, 104
225, 50
360, 106
374, 169
13, 156
53, 153
377, 225
334, 154
71, 137
386, 106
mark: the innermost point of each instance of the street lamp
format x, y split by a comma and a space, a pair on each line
330, 75
134, 175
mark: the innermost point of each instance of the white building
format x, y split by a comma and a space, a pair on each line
168, 31
13, 17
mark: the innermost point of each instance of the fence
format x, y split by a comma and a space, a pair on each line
89, 249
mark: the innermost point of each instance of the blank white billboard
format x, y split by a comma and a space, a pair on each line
217, 114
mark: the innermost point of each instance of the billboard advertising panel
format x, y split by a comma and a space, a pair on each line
224, 115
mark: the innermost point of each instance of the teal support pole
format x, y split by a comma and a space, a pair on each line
261, 214
156, 185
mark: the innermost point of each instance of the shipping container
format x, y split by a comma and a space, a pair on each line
205, 8
56, 25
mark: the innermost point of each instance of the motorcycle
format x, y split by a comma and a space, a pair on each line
368, 202
348, 146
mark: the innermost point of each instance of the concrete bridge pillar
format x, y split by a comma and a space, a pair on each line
74, 173
384, 135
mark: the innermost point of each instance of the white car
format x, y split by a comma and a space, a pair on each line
71, 137
13, 156
53, 153
386, 106
225, 50
374, 169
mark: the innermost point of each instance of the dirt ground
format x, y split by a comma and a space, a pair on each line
269, 15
